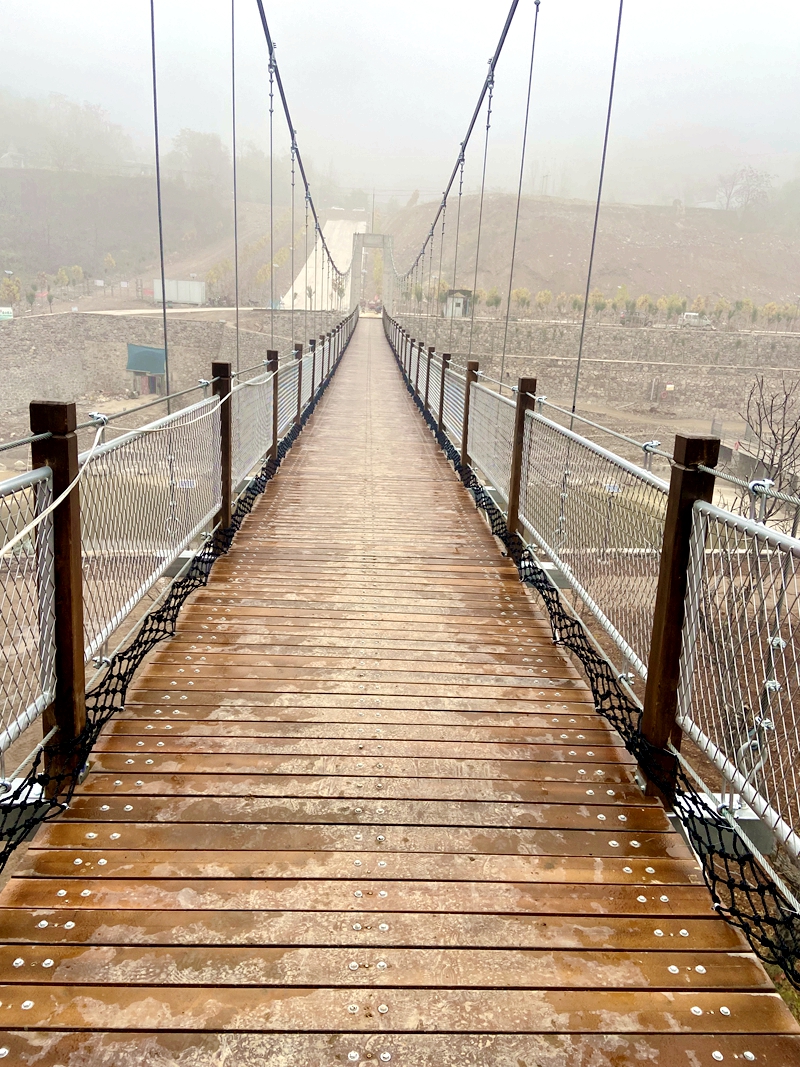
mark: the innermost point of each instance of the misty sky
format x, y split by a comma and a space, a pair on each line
381, 91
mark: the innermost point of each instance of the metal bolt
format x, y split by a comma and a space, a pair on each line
748, 1055
358, 893
380, 837
724, 1011
382, 965
386, 1056
61, 893
105, 807
19, 962
383, 1008
381, 863
384, 927
628, 870
47, 963
650, 870
383, 893
684, 933
700, 969
67, 926
353, 1056
86, 892
43, 924
352, 1008
26, 1005
717, 1055
635, 844
353, 966
697, 1011
356, 926
129, 807
664, 898
614, 844
659, 933
356, 863
673, 969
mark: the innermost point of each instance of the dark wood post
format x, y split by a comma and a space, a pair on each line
298, 355
272, 367
472, 377
440, 415
687, 484
431, 351
526, 391
60, 453
221, 373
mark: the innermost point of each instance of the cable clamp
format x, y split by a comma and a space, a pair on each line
760, 485
98, 418
651, 446
204, 382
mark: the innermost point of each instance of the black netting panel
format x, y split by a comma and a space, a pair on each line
742, 890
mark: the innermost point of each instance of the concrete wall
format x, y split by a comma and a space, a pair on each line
711, 371
75, 356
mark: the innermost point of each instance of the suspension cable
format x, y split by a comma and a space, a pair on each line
291, 251
158, 198
519, 192
292, 131
488, 82
439, 278
597, 212
458, 230
271, 204
480, 212
235, 197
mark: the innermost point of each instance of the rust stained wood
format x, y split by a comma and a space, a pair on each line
363, 749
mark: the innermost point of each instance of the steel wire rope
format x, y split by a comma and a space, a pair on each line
480, 211
291, 252
597, 210
235, 197
439, 277
271, 205
158, 195
458, 231
519, 192
306, 296
481, 97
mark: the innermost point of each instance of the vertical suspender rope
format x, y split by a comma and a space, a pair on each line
235, 197
306, 296
480, 209
596, 218
439, 277
291, 251
158, 200
271, 206
458, 232
519, 192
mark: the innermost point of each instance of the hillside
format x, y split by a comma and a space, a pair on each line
654, 250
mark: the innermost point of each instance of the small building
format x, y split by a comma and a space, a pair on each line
457, 303
148, 366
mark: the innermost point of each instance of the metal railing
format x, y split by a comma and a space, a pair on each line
125, 511
144, 497
740, 670
491, 432
27, 603
453, 407
600, 519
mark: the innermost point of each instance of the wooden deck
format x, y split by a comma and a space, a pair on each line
361, 810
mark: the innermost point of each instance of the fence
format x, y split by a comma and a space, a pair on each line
27, 602
703, 604
125, 511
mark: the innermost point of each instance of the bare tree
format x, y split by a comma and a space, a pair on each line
773, 415
743, 188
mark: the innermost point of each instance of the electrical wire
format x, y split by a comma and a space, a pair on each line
519, 191
597, 212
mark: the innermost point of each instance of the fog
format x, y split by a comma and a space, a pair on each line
381, 93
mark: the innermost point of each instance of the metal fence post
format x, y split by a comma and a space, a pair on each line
221, 373
440, 416
272, 367
60, 453
472, 377
687, 484
298, 355
431, 351
526, 392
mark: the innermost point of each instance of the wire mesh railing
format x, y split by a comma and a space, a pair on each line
251, 423
27, 604
307, 364
435, 387
453, 407
740, 674
491, 432
600, 519
287, 396
144, 497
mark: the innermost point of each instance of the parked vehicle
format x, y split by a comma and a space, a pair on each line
635, 318
694, 318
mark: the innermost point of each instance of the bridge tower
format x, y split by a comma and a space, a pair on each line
359, 289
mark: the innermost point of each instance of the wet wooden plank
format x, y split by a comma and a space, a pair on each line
54, 1049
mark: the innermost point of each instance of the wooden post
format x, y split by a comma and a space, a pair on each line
272, 366
440, 416
472, 377
526, 391
221, 373
431, 351
60, 453
687, 484
298, 355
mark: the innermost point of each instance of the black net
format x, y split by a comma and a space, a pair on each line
48, 786
742, 889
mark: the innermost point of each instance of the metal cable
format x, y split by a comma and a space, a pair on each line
158, 196
458, 230
235, 198
271, 206
597, 210
519, 191
480, 211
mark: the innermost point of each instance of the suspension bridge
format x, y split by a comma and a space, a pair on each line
356, 711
